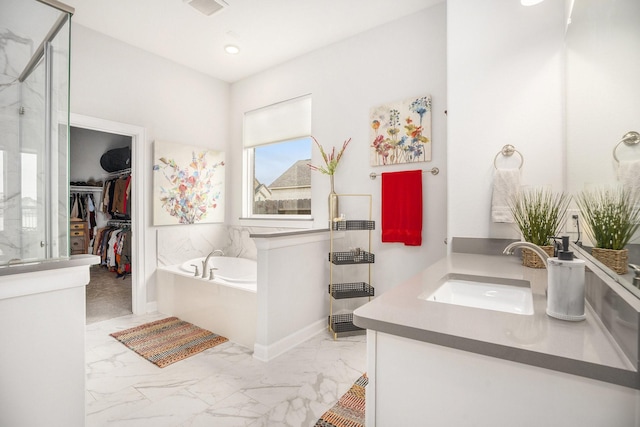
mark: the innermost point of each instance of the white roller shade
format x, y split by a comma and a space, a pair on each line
278, 122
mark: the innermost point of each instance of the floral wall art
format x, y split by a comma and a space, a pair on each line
188, 184
401, 132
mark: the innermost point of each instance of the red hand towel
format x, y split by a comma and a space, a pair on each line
402, 207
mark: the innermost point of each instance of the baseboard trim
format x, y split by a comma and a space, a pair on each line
152, 307
265, 353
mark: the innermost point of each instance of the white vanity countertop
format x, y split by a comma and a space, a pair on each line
582, 348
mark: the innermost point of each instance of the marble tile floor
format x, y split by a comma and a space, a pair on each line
222, 387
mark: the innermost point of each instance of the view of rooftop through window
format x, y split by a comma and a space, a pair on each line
282, 179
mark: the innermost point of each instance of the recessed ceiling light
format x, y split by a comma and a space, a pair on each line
232, 49
530, 2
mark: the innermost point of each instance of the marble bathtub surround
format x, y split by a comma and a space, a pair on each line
178, 244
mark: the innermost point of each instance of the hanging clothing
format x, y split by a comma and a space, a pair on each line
113, 245
116, 197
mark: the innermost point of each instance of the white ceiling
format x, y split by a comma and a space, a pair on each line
268, 32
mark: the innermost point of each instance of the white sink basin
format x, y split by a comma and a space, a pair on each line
489, 293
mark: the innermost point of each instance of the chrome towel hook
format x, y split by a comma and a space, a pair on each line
508, 151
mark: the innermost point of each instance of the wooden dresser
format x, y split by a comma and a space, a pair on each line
79, 237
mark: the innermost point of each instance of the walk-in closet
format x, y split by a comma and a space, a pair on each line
100, 191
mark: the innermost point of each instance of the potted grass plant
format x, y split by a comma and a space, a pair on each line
611, 217
538, 214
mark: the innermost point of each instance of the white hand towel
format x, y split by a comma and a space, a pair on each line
629, 176
506, 184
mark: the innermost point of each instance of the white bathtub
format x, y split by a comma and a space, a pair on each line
226, 305
228, 270
240, 273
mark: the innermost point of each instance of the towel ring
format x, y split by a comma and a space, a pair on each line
508, 151
629, 138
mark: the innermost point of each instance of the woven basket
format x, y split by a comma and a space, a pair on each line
615, 259
531, 259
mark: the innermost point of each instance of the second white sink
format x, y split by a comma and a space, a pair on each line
490, 293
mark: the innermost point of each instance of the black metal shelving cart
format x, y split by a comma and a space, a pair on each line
341, 321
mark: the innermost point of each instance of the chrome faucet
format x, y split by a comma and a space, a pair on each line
636, 276
535, 248
205, 263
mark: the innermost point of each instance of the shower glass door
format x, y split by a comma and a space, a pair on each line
34, 113
29, 219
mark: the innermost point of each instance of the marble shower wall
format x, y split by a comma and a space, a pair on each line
177, 244
15, 50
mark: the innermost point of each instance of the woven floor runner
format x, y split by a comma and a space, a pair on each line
167, 341
349, 411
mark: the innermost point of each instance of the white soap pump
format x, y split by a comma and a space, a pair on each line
565, 285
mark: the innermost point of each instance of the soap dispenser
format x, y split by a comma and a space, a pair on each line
565, 285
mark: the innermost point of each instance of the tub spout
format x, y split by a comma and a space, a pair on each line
535, 248
205, 263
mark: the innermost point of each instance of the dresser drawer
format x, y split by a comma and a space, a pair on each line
77, 233
77, 226
77, 243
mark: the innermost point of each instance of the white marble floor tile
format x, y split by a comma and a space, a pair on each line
223, 386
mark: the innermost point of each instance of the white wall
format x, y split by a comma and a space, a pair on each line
498, 63
395, 61
114, 81
505, 86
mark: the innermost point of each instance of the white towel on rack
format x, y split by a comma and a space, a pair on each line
506, 184
629, 176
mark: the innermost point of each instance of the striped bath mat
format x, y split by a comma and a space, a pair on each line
167, 341
349, 411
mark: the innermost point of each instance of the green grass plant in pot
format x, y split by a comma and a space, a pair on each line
611, 217
539, 214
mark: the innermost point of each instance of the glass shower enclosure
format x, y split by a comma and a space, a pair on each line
34, 130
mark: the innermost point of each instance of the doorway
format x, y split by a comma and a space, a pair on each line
100, 223
135, 135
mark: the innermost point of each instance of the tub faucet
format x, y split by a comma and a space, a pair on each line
205, 263
535, 248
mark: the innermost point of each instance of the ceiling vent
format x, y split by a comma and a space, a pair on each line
207, 7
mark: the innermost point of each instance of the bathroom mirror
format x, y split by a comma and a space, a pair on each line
603, 83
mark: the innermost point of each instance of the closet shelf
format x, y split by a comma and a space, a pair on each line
351, 290
118, 173
84, 189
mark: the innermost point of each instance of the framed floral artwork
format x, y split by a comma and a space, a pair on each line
401, 132
188, 184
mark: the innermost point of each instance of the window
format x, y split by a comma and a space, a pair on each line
277, 149
281, 178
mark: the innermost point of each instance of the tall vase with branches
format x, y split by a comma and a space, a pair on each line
539, 215
331, 162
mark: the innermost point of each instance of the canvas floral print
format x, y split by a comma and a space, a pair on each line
401, 132
188, 184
